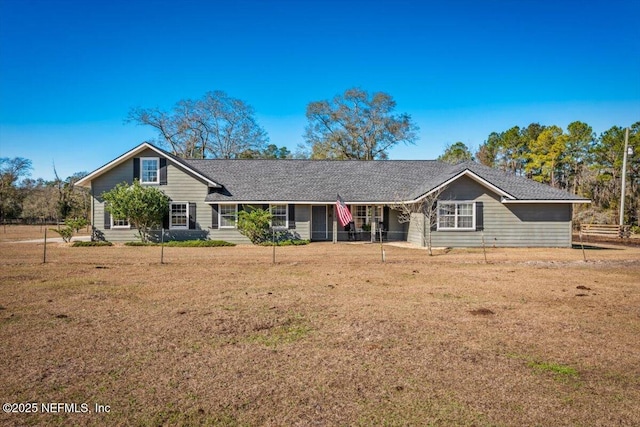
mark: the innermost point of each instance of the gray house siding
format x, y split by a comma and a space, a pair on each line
397, 231
505, 225
415, 230
181, 187
302, 229
303, 222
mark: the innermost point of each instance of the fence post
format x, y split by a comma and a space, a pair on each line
484, 249
44, 256
162, 246
381, 246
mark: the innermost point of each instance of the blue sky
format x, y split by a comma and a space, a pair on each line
71, 70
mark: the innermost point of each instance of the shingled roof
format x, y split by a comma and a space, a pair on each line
319, 181
381, 181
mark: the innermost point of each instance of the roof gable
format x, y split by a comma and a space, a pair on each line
86, 181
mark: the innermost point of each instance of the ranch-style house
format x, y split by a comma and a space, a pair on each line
475, 203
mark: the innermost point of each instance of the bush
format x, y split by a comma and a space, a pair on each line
83, 244
255, 223
198, 243
635, 229
144, 206
70, 225
66, 233
185, 243
288, 242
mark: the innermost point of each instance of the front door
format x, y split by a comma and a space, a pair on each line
319, 223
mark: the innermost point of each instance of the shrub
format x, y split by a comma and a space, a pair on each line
287, 242
143, 206
198, 243
254, 223
98, 243
66, 233
185, 243
140, 244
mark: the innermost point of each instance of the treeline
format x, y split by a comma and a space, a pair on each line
36, 200
576, 160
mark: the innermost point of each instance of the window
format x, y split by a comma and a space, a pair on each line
366, 215
279, 215
179, 215
228, 215
119, 223
456, 216
149, 167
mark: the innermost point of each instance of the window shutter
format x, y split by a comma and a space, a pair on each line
192, 216
107, 218
163, 171
385, 217
165, 220
292, 217
241, 208
479, 216
136, 168
265, 208
214, 216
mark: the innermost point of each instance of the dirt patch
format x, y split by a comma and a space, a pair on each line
329, 335
482, 312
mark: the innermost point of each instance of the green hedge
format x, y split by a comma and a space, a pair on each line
290, 242
83, 244
185, 243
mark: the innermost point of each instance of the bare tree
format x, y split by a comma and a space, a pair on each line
215, 126
425, 211
356, 125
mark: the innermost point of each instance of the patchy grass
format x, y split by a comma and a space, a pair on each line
326, 336
14, 233
554, 368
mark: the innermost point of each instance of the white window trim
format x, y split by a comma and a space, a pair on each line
179, 227
456, 202
235, 224
369, 214
286, 211
123, 227
157, 160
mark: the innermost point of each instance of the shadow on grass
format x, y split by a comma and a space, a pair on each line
593, 247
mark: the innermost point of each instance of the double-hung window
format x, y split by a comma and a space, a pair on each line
366, 215
279, 215
228, 214
456, 215
179, 215
149, 170
119, 223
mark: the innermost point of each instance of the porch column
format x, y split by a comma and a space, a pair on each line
335, 225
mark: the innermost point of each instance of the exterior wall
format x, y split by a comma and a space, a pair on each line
303, 222
505, 225
181, 187
229, 235
415, 230
397, 231
105, 182
302, 228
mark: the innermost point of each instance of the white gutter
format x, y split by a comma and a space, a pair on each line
524, 201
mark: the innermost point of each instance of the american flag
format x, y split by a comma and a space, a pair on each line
344, 215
